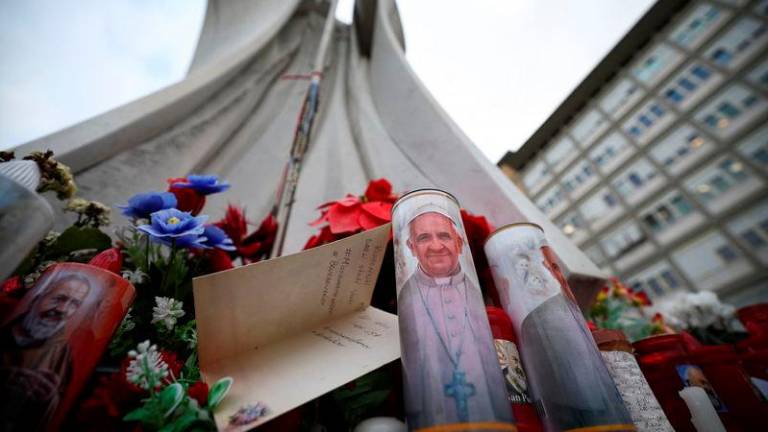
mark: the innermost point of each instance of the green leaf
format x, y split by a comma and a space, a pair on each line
139, 414
218, 391
183, 422
75, 239
170, 398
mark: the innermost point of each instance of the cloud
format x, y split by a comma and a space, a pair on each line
62, 63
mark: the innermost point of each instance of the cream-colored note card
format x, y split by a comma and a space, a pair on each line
295, 327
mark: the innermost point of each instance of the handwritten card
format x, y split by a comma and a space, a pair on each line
295, 327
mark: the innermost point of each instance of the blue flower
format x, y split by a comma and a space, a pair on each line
175, 227
141, 205
215, 237
203, 184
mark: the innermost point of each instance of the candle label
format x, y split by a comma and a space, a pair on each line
761, 387
693, 376
512, 369
638, 397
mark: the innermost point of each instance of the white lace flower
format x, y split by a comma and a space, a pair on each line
147, 368
167, 311
135, 277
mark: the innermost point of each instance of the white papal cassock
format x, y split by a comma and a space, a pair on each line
443, 329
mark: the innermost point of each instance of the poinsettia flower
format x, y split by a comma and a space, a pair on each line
323, 237
591, 325
215, 237
204, 184
109, 259
380, 190
175, 227
142, 205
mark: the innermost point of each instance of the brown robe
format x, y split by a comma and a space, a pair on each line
33, 380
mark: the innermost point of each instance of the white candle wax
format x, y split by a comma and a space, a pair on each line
703, 414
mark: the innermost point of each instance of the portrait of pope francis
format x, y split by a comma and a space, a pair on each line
450, 368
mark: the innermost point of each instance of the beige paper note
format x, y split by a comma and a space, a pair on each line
293, 328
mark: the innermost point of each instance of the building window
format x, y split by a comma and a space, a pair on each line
601, 208
552, 201
736, 46
722, 183
690, 85
536, 176
637, 181
731, 110
681, 149
648, 121
609, 153
560, 154
621, 98
711, 262
657, 280
751, 230
586, 129
574, 226
700, 23
623, 240
759, 75
579, 178
755, 147
654, 66
667, 213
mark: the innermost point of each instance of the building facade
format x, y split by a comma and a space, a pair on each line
657, 164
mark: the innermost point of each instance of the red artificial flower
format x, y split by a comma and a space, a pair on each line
250, 247
380, 190
111, 399
353, 214
591, 325
187, 199
325, 236
199, 392
234, 224
217, 260
258, 245
172, 360
109, 259
641, 298
11, 285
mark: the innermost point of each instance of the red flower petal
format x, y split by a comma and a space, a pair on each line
234, 224
349, 200
368, 221
218, 260
188, 200
199, 392
378, 190
11, 284
343, 219
381, 210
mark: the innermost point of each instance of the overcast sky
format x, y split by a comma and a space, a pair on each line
499, 67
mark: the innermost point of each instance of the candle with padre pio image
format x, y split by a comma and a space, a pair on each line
567, 376
452, 379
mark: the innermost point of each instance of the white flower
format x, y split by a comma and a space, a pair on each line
135, 277
146, 368
167, 311
696, 310
127, 324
